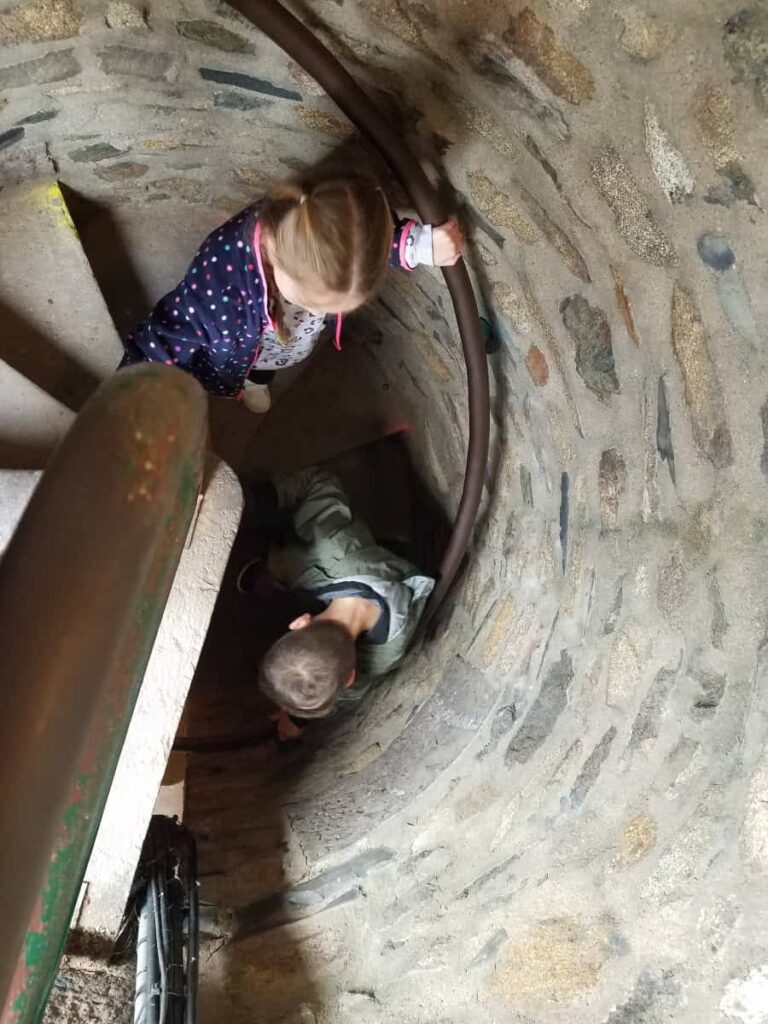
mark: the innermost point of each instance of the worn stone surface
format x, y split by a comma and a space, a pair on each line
714, 120
555, 962
152, 65
536, 365
717, 254
492, 64
612, 483
535, 43
702, 389
209, 33
745, 43
543, 713
629, 206
11, 137
126, 14
591, 769
557, 238
513, 307
643, 36
36, 21
53, 67
654, 999
249, 82
93, 154
125, 171
670, 169
499, 207
591, 334
637, 840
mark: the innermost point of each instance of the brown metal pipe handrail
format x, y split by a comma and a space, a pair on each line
83, 585
300, 44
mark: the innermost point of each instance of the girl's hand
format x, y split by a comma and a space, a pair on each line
447, 243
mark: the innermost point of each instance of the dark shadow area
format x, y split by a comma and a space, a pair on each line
111, 260
39, 359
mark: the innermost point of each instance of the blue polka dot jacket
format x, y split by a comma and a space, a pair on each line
211, 323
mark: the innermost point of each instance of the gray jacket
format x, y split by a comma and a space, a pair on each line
338, 547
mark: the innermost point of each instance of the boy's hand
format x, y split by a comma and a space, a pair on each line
447, 243
287, 730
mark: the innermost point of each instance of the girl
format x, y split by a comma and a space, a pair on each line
258, 293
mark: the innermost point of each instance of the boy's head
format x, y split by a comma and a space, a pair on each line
328, 240
304, 671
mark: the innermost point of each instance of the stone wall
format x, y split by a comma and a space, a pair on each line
562, 796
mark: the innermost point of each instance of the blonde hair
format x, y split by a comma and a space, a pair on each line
336, 230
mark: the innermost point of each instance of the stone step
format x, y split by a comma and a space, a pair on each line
57, 330
31, 422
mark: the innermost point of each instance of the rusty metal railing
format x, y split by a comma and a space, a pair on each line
83, 585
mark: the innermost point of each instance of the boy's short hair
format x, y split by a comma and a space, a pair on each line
305, 669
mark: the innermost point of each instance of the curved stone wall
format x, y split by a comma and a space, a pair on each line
557, 810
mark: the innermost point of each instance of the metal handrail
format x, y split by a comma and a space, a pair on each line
83, 586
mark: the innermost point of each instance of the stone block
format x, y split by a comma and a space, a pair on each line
319, 121
590, 771
248, 82
745, 998
125, 14
38, 117
543, 713
499, 207
754, 833
511, 306
209, 33
638, 838
745, 43
53, 67
125, 171
648, 720
664, 445
588, 327
11, 137
644, 37
152, 65
612, 482
713, 114
654, 1000
536, 45
670, 169
623, 671
238, 101
630, 209
536, 365
491, 63
499, 630
37, 21
556, 961
187, 189
702, 388
716, 252
557, 238
93, 154
624, 305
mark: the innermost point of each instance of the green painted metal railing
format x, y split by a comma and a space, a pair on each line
83, 585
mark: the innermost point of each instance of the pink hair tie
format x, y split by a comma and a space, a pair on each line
337, 339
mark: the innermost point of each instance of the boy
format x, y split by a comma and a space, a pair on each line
369, 600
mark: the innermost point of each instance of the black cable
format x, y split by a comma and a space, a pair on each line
193, 933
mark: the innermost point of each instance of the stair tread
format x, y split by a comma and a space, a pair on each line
57, 330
